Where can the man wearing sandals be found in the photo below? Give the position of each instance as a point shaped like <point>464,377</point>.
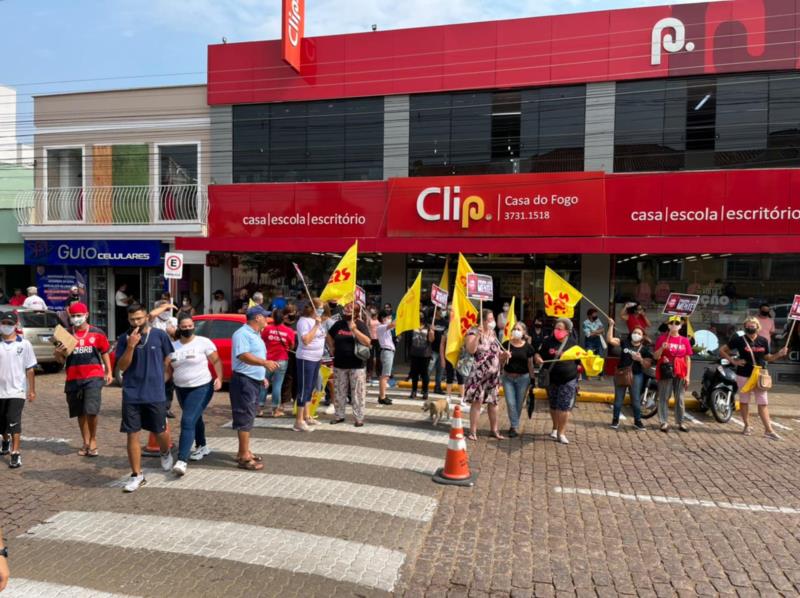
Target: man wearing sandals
<point>88,370</point>
<point>250,367</point>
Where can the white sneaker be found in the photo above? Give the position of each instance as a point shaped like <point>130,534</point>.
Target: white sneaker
<point>330,410</point>
<point>166,461</point>
<point>134,483</point>
<point>302,428</point>
<point>554,434</point>
<point>199,453</point>
<point>563,439</point>
<point>180,468</point>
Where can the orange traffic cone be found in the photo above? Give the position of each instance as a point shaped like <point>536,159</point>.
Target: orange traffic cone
<point>456,464</point>
<point>153,449</point>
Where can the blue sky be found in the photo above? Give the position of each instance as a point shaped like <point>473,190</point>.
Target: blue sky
<point>53,46</point>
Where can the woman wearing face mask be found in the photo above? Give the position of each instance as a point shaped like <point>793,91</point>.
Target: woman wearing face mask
<point>502,317</point>
<point>753,350</point>
<point>517,374</point>
<point>186,307</point>
<point>673,356</point>
<point>194,386</point>
<point>538,333</point>
<point>562,387</point>
<point>310,343</point>
<point>280,340</point>
<point>420,353</point>
<point>349,370</point>
<point>374,365</point>
<point>483,380</point>
<point>636,357</point>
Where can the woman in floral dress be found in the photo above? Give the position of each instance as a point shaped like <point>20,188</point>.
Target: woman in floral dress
<point>482,383</point>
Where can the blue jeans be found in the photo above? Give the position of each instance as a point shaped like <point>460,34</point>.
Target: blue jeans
<point>515,390</point>
<point>193,402</point>
<point>307,380</point>
<point>435,368</point>
<point>276,383</point>
<point>636,396</point>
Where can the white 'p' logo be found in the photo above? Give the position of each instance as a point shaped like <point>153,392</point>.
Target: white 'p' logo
<point>670,44</point>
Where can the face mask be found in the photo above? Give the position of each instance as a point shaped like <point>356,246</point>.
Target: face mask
<point>164,316</point>
<point>751,329</point>
<point>516,334</point>
<point>560,334</point>
<point>7,330</point>
<point>78,320</point>
<point>348,316</point>
<point>636,337</point>
<point>491,324</point>
<point>319,311</point>
<point>537,324</point>
<point>186,332</point>
<point>387,321</point>
<point>764,312</point>
<point>506,308</point>
<point>186,302</point>
<point>593,317</point>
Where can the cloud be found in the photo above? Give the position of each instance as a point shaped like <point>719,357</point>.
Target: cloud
<point>246,20</point>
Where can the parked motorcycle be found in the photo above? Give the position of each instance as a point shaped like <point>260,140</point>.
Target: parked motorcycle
<point>718,390</point>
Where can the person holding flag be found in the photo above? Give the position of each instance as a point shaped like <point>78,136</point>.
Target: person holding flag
<point>483,380</point>
<point>559,377</point>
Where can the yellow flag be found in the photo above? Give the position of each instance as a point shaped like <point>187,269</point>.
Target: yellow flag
<point>408,308</point>
<point>461,274</point>
<point>251,303</point>
<point>444,283</point>
<point>560,297</point>
<point>752,381</point>
<point>689,328</point>
<point>341,285</point>
<point>464,317</point>
<point>512,321</point>
<point>592,364</point>
<point>318,395</point>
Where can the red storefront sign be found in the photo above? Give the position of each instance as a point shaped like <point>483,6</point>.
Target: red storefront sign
<point>293,29</point>
<point>745,211</point>
<point>546,205</point>
<point>612,45</point>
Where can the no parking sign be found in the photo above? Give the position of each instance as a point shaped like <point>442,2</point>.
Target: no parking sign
<point>173,265</point>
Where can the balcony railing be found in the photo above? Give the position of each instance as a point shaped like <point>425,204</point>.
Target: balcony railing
<point>130,205</point>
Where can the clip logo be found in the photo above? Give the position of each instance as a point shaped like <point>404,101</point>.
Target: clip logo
<point>669,42</point>
<point>453,208</point>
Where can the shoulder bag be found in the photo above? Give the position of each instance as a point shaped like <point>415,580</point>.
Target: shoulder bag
<point>764,377</point>
<point>623,377</point>
<point>544,372</point>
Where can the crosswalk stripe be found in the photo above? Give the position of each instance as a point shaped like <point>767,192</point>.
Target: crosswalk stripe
<point>341,560</point>
<point>43,439</point>
<point>431,435</point>
<point>332,452</point>
<point>25,588</point>
<point>412,403</point>
<point>418,415</point>
<point>388,501</point>
<point>781,426</point>
<point>693,419</point>
<point>738,422</point>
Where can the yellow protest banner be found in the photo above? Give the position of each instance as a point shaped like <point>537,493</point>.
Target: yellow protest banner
<point>318,395</point>
<point>592,364</point>
<point>461,274</point>
<point>752,381</point>
<point>341,285</point>
<point>444,283</point>
<point>512,321</point>
<point>465,316</point>
<point>560,297</point>
<point>408,308</point>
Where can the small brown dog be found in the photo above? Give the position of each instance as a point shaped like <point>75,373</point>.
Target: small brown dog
<point>437,409</point>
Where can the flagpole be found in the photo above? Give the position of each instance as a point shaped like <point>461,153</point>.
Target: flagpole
<point>593,304</point>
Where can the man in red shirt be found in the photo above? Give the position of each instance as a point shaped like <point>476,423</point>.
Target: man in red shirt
<point>88,370</point>
<point>17,299</point>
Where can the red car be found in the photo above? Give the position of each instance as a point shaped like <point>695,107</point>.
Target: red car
<point>217,327</point>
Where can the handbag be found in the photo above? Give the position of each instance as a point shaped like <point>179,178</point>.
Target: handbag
<point>666,371</point>
<point>544,372</point>
<point>623,377</point>
<point>362,351</point>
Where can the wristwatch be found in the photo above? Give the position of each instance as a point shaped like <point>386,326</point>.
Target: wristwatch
<point>4,552</point>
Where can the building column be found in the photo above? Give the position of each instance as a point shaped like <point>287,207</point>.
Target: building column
<point>221,145</point>
<point>393,278</point>
<point>599,132</point>
<point>395,136</point>
<point>595,284</point>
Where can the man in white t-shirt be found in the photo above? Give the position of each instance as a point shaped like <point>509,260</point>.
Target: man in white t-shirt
<point>161,318</point>
<point>218,303</point>
<point>34,301</point>
<point>17,383</point>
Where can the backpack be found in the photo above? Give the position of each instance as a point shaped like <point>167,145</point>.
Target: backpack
<point>420,347</point>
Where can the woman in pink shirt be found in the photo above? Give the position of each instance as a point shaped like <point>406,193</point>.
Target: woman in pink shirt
<point>673,356</point>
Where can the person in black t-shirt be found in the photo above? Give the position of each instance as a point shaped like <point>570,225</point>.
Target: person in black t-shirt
<point>517,373</point>
<point>563,386</point>
<point>349,371</point>
<point>753,351</point>
<point>634,354</point>
<point>420,353</point>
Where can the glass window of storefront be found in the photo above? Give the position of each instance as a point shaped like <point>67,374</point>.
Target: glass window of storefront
<point>532,130</point>
<point>730,288</point>
<point>308,141</point>
<point>729,121</point>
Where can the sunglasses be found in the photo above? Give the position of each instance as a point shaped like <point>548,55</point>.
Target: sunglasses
<point>675,324</point>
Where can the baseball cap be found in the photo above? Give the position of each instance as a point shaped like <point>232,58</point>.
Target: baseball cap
<point>677,319</point>
<point>77,308</point>
<point>256,311</point>
<point>9,316</point>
